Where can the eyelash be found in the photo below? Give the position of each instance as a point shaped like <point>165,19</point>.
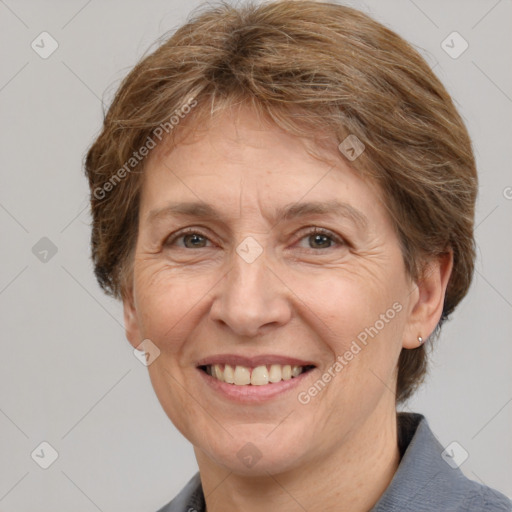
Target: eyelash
<point>313,231</point>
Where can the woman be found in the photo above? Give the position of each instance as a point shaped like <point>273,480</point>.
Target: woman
<point>283,198</point>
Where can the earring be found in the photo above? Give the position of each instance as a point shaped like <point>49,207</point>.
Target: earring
<point>420,340</point>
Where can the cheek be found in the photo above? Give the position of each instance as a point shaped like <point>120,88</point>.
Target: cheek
<point>168,305</point>
<point>358,319</point>
<point>347,302</point>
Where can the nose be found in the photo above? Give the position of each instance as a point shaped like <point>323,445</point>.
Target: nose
<point>251,298</point>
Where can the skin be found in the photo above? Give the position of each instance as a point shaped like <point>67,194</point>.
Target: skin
<point>301,297</point>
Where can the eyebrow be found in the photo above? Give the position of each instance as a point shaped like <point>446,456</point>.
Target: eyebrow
<point>200,209</point>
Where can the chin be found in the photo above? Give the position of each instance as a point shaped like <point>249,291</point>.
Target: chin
<point>250,461</point>
<point>251,451</point>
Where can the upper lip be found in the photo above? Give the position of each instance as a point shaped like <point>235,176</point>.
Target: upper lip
<point>252,362</point>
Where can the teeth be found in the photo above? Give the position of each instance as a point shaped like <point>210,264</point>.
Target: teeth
<point>296,371</point>
<point>229,374</point>
<point>242,375</point>
<point>275,373</point>
<point>217,372</point>
<point>258,376</point>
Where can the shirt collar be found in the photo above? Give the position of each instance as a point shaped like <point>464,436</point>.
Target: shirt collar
<point>423,476</point>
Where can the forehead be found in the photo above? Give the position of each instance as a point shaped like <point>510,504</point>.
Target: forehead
<point>237,163</point>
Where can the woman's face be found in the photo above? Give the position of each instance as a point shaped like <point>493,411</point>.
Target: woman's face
<point>253,286</point>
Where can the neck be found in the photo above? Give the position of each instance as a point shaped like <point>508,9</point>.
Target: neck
<point>351,478</point>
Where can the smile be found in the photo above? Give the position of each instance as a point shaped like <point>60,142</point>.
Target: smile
<point>239,375</point>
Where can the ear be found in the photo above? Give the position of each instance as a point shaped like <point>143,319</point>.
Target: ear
<point>131,321</point>
<point>428,299</point>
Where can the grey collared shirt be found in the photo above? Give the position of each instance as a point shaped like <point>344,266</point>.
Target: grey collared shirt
<point>424,481</point>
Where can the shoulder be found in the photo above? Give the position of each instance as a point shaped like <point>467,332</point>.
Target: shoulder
<point>483,498</point>
<point>189,499</point>
<point>426,481</point>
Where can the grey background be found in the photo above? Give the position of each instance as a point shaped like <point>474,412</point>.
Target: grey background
<point>67,374</point>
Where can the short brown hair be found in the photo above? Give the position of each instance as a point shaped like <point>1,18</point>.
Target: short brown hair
<point>309,68</point>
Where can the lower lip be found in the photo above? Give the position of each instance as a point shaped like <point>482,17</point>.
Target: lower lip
<point>250,393</point>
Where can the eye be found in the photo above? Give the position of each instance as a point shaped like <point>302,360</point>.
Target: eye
<point>192,239</point>
<point>320,238</point>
